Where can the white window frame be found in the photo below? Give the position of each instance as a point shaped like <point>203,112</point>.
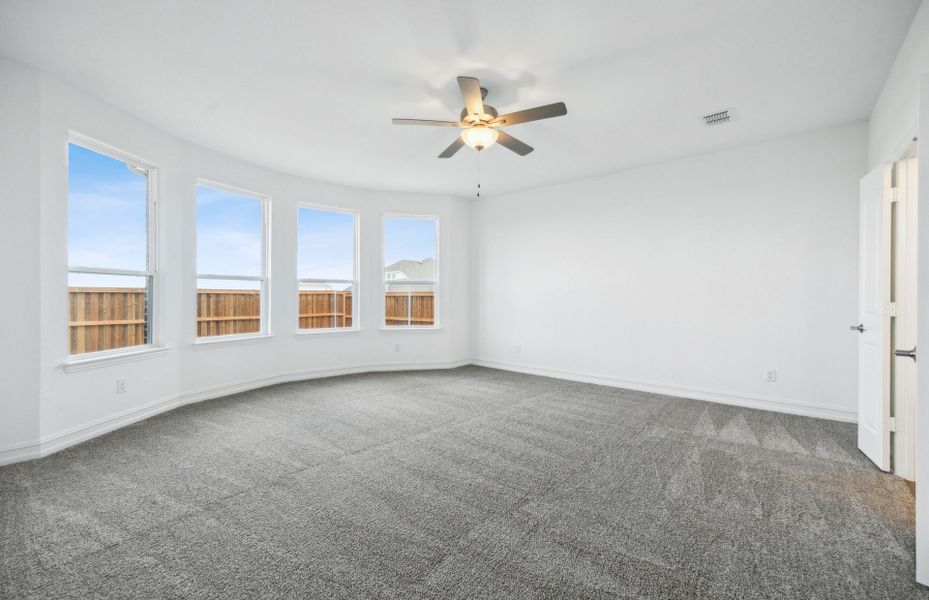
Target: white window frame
<point>150,273</point>
<point>385,282</point>
<point>264,277</point>
<point>355,282</point>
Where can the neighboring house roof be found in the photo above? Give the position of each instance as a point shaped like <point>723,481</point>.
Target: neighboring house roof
<point>417,270</point>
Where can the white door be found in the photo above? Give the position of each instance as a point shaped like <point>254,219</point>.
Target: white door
<point>873,316</point>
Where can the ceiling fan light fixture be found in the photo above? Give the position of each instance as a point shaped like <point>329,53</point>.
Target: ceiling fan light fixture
<point>480,122</point>
<point>479,137</point>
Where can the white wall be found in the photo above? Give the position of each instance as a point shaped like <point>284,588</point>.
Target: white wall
<point>19,256</point>
<point>50,407</point>
<point>691,277</point>
<point>893,121</point>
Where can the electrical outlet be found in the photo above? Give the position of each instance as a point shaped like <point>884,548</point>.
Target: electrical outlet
<point>770,376</point>
<point>396,347</point>
<point>120,386</point>
<point>519,348</point>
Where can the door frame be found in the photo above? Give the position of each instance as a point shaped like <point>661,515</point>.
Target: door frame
<point>903,333</point>
<point>922,341</point>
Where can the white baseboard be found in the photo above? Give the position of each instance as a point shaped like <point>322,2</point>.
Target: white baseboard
<point>748,401</point>
<point>63,439</point>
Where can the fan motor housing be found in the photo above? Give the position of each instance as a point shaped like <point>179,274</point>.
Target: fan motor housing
<point>490,113</point>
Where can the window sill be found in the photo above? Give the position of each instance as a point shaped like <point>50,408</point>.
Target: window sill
<point>328,331</point>
<point>222,340</point>
<point>76,365</point>
<point>405,328</point>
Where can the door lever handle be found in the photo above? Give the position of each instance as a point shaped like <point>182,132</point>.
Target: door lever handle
<point>859,328</point>
<point>907,353</point>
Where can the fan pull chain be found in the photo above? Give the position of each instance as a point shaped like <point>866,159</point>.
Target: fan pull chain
<point>478,174</point>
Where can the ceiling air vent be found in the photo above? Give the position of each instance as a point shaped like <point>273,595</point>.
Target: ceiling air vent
<point>717,118</point>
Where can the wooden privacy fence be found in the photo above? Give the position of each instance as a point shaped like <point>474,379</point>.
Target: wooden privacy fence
<point>413,308</point>
<point>321,309</point>
<point>228,312</point>
<point>106,318</point>
<point>109,318</point>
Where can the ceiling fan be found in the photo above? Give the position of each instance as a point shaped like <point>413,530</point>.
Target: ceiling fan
<point>479,122</point>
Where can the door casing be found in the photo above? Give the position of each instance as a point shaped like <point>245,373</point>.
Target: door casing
<point>904,261</point>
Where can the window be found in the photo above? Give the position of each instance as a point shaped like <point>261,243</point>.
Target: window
<point>231,261</point>
<point>410,271</point>
<point>326,268</point>
<point>110,250</point>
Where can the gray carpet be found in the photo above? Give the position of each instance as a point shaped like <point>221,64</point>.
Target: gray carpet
<point>469,483</point>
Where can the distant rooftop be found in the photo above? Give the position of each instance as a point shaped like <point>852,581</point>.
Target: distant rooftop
<point>417,270</point>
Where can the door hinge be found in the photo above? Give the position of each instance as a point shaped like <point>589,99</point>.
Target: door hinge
<point>891,309</point>
<point>892,424</point>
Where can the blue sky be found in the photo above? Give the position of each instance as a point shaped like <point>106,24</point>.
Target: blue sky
<point>107,212</point>
<point>325,245</point>
<point>107,228</point>
<point>412,239</point>
<point>228,233</point>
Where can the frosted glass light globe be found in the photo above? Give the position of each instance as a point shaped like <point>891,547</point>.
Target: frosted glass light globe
<point>479,136</point>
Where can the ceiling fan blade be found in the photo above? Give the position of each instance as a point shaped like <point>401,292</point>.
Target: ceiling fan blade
<point>453,148</point>
<point>471,91</point>
<point>508,141</point>
<point>531,114</point>
<point>425,122</point>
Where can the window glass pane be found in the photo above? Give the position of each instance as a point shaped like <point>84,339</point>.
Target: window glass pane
<point>107,212</point>
<point>409,249</point>
<point>326,245</point>
<point>228,307</point>
<point>325,305</point>
<point>106,312</point>
<point>228,233</point>
<point>409,305</point>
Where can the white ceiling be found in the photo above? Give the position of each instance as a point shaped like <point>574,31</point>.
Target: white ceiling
<point>310,87</point>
